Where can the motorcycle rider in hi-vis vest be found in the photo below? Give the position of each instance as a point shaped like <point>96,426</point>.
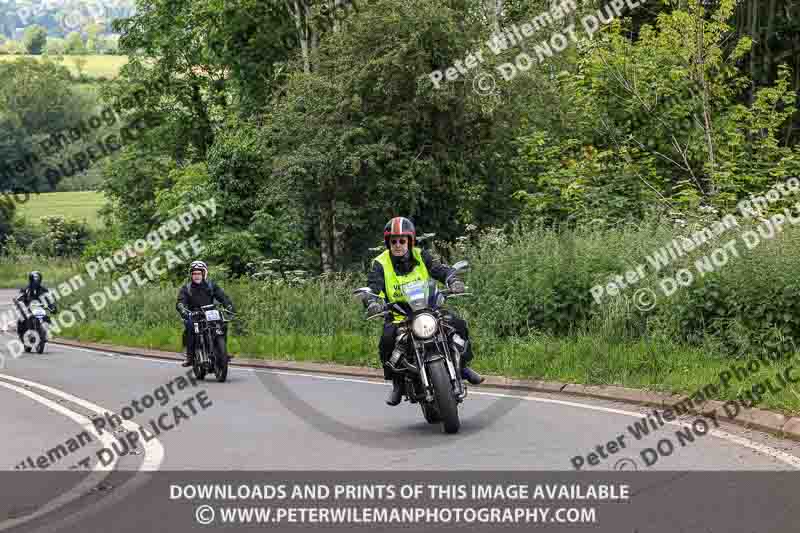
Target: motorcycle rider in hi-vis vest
<point>402,263</point>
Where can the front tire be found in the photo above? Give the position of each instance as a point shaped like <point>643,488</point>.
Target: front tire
<point>445,397</point>
<point>198,367</point>
<point>30,339</point>
<point>42,340</point>
<point>221,358</point>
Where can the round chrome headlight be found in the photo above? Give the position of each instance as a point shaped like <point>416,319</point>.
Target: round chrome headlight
<point>424,326</point>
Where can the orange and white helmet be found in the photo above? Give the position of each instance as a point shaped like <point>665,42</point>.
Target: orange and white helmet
<point>400,226</point>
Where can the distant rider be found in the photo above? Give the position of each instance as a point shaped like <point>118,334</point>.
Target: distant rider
<point>402,263</point>
<point>199,291</point>
<point>34,291</point>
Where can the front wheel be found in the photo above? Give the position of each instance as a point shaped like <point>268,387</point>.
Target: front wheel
<point>30,339</point>
<point>445,397</point>
<point>221,359</point>
<point>42,340</point>
<point>198,367</point>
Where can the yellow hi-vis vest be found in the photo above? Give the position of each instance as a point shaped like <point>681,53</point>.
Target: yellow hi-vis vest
<point>393,292</point>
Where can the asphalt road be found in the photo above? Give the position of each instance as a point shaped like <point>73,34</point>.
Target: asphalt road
<point>261,420</point>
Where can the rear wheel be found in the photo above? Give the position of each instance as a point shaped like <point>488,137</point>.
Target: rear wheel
<point>445,397</point>
<point>221,358</point>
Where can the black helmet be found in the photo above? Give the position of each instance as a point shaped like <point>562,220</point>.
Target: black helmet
<point>35,278</point>
<point>399,226</point>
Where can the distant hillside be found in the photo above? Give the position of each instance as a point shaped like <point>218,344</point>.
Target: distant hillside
<point>107,66</point>
<point>60,17</point>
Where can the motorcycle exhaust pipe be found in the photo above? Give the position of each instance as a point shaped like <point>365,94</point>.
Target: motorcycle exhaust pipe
<point>458,344</point>
<point>399,351</point>
<point>459,347</point>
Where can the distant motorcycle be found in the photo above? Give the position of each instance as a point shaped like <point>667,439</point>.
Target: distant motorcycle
<point>210,351</point>
<point>428,361</point>
<point>33,333</point>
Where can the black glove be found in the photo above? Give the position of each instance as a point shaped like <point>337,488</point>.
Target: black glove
<point>374,308</point>
<point>457,286</point>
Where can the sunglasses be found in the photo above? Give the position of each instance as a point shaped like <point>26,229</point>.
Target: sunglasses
<point>399,241</point>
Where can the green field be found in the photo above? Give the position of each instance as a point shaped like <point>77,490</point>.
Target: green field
<point>81,205</point>
<point>96,65</point>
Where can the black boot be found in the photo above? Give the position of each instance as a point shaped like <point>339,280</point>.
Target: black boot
<point>396,394</point>
<point>189,360</point>
<point>472,376</point>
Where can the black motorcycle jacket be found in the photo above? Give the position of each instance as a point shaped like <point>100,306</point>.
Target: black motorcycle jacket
<point>29,294</point>
<point>193,296</point>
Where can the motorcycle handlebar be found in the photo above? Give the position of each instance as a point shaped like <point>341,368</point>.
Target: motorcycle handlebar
<point>387,310</point>
<point>203,314</point>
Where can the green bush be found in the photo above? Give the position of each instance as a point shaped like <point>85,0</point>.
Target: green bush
<point>64,237</point>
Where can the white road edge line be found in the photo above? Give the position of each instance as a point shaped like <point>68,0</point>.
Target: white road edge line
<point>735,439</point>
<point>81,488</point>
<point>153,449</point>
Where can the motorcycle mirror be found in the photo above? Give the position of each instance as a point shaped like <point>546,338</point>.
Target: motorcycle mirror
<point>365,291</point>
<point>461,266</point>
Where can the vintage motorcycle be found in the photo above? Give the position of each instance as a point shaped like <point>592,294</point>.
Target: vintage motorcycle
<point>428,351</point>
<point>210,350</point>
<point>33,330</point>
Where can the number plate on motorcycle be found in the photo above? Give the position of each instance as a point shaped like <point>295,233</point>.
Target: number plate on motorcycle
<point>415,290</point>
<point>38,312</point>
<point>212,315</point>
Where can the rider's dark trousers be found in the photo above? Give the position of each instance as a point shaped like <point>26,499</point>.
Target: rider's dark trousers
<point>188,336</point>
<point>386,345</point>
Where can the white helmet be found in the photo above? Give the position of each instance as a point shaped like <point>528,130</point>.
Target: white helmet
<point>198,265</point>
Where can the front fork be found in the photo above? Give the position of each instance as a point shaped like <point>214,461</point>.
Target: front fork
<point>423,372</point>
<point>453,369</point>
<point>200,342</point>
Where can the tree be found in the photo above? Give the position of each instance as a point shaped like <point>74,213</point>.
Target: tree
<point>364,135</point>
<point>75,44</point>
<point>94,40</point>
<point>36,100</point>
<point>55,47</point>
<point>35,39</point>
<point>93,31</point>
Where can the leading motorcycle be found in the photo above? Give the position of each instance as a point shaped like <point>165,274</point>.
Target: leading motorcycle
<point>33,333</point>
<point>428,351</point>
<point>210,349</point>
